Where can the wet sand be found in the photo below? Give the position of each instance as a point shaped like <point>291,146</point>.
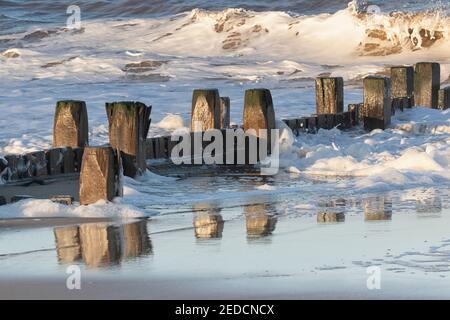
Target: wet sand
<point>64,185</point>
<point>256,251</point>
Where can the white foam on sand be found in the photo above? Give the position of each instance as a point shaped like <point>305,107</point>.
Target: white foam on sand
<point>41,208</point>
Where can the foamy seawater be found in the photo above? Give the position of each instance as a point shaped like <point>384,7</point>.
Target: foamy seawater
<point>158,54</point>
<point>227,234</point>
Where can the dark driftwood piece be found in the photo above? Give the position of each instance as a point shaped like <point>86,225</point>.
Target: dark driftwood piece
<point>100,175</point>
<point>70,128</point>
<point>129,123</point>
<point>377,103</point>
<point>205,110</point>
<point>427,81</point>
<point>329,95</point>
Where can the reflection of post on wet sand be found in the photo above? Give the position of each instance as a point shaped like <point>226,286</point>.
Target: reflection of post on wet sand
<point>136,240</point>
<point>99,244</point>
<point>208,222</point>
<point>259,221</point>
<point>377,208</point>
<point>429,204</point>
<point>68,244</point>
<point>332,211</point>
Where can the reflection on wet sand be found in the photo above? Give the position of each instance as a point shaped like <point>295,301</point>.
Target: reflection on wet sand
<point>68,244</point>
<point>208,222</point>
<point>377,209</point>
<point>99,244</point>
<point>429,206</point>
<point>331,211</point>
<point>259,221</point>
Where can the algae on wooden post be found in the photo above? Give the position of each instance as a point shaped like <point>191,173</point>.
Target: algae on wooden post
<point>377,103</point>
<point>100,175</point>
<point>205,112</point>
<point>427,84</point>
<point>129,123</point>
<point>329,95</point>
<point>70,128</point>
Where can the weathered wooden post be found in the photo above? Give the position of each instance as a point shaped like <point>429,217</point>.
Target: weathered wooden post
<point>427,81</point>
<point>402,81</point>
<point>377,103</point>
<point>402,87</point>
<point>206,110</point>
<point>329,95</point>
<point>444,98</point>
<point>259,115</point>
<point>224,112</point>
<point>100,175</point>
<point>129,123</point>
<point>70,128</point>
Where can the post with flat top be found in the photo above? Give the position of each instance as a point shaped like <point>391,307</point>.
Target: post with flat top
<point>70,128</point>
<point>329,95</point>
<point>206,107</point>
<point>100,175</point>
<point>377,103</point>
<point>259,113</point>
<point>427,81</point>
<point>129,123</point>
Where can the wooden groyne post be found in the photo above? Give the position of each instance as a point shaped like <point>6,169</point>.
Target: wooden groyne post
<point>206,110</point>
<point>100,175</point>
<point>224,112</point>
<point>70,128</point>
<point>377,103</point>
<point>427,81</point>
<point>129,123</point>
<point>444,98</point>
<point>259,113</point>
<point>402,87</point>
<point>329,95</point>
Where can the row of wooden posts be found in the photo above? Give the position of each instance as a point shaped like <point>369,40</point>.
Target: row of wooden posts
<point>100,168</point>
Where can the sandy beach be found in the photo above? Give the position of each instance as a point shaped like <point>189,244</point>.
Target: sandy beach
<point>253,251</point>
